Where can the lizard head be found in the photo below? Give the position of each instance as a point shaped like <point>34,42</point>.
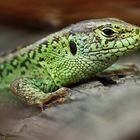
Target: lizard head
<point>103,41</point>
<point>89,47</point>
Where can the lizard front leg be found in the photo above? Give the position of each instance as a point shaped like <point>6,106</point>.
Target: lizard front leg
<point>111,74</point>
<point>33,91</point>
<point>117,69</point>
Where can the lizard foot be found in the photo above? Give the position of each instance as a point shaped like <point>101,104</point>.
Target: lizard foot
<point>60,96</point>
<point>26,90</point>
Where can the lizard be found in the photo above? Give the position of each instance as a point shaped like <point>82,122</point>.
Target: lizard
<point>41,71</point>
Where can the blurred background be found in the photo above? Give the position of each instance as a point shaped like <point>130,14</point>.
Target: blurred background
<point>26,21</point>
<point>41,13</point>
<point>101,112</point>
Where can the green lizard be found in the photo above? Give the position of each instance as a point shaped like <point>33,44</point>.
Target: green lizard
<point>38,72</point>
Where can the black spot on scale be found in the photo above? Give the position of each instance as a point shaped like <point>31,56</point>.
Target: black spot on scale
<point>106,42</point>
<point>58,82</point>
<point>97,46</point>
<point>59,52</point>
<point>41,59</point>
<point>0,71</point>
<point>98,39</point>
<point>38,65</point>
<point>22,72</point>
<point>31,54</point>
<point>100,55</point>
<point>14,63</point>
<point>1,75</point>
<point>23,63</point>
<point>78,44</point>
<point>63,44</point>
<point>117,27</point>
<point>8,71</point>
<point>39,49</point>
<point>54,47</point>
<point>52,58</point>
<point>50,68</point>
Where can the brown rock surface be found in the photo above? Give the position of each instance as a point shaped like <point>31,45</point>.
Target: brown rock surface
<point>96,112</point>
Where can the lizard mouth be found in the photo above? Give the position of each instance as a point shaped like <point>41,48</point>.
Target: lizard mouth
<point>117,52</point>
<point>132,46</point>
<point>129,48</point>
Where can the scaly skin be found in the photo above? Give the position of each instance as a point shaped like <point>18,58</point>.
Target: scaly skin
<point>66,57</point>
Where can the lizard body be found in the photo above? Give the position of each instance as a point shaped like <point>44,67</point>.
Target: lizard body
<point>66,57</point>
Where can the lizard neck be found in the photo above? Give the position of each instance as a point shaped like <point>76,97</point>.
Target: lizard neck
<point>72,70</point>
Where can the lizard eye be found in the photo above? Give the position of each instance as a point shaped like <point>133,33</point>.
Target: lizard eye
<point>108,32</point>
<point>73,47</point>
